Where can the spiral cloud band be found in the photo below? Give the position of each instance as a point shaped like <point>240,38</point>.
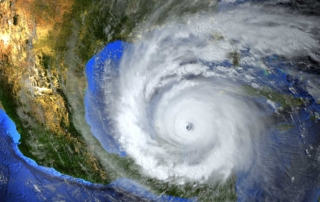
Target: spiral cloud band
<point>178,118</point>
<point>177,104</point>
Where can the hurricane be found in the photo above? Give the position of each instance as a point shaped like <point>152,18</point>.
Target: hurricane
<point>212,96</point>
<point>183,110</point>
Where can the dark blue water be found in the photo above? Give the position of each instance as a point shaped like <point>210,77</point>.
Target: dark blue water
<point>289,167</point>
<point>95,71</point>
<point>21,179</point>
<point>292,176</point>
<point>290,159</point>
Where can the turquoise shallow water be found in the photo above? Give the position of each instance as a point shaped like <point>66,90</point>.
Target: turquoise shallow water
<point>287,161</point>
<point>282,173</point>
<point>22,179</point>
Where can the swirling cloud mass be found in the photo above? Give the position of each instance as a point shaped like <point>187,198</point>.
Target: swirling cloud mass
<point>179,103</point>
<point>181,116</point>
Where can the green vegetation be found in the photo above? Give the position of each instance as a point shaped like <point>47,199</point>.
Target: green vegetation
<point>105,21</point>
<point>203,192</point>
<point>67,154</point>
<point>286,101</point>
<point>120,17</point>
<point>235,57</point>
<point>315,117</point>
<point>285,127</point>
<point>70,127</point>
<point>46,61</point>
<point>64,149</point>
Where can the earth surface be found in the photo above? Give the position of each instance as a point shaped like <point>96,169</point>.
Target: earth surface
<point>160,101</point>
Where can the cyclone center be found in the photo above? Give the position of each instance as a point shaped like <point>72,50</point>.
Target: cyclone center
<point>189,126</point>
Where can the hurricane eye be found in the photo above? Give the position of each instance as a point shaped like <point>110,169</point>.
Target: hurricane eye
<point>189,126</point>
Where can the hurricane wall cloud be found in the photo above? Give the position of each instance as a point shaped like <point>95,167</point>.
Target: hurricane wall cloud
<point>179,101</point>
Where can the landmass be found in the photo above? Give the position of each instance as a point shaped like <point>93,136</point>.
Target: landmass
<point>44,46</point>
<point>33,85</point>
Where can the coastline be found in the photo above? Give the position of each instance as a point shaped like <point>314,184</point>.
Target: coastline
<point>22,179</point>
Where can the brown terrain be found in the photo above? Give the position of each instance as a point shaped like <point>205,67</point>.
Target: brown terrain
<point>33,78</point>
